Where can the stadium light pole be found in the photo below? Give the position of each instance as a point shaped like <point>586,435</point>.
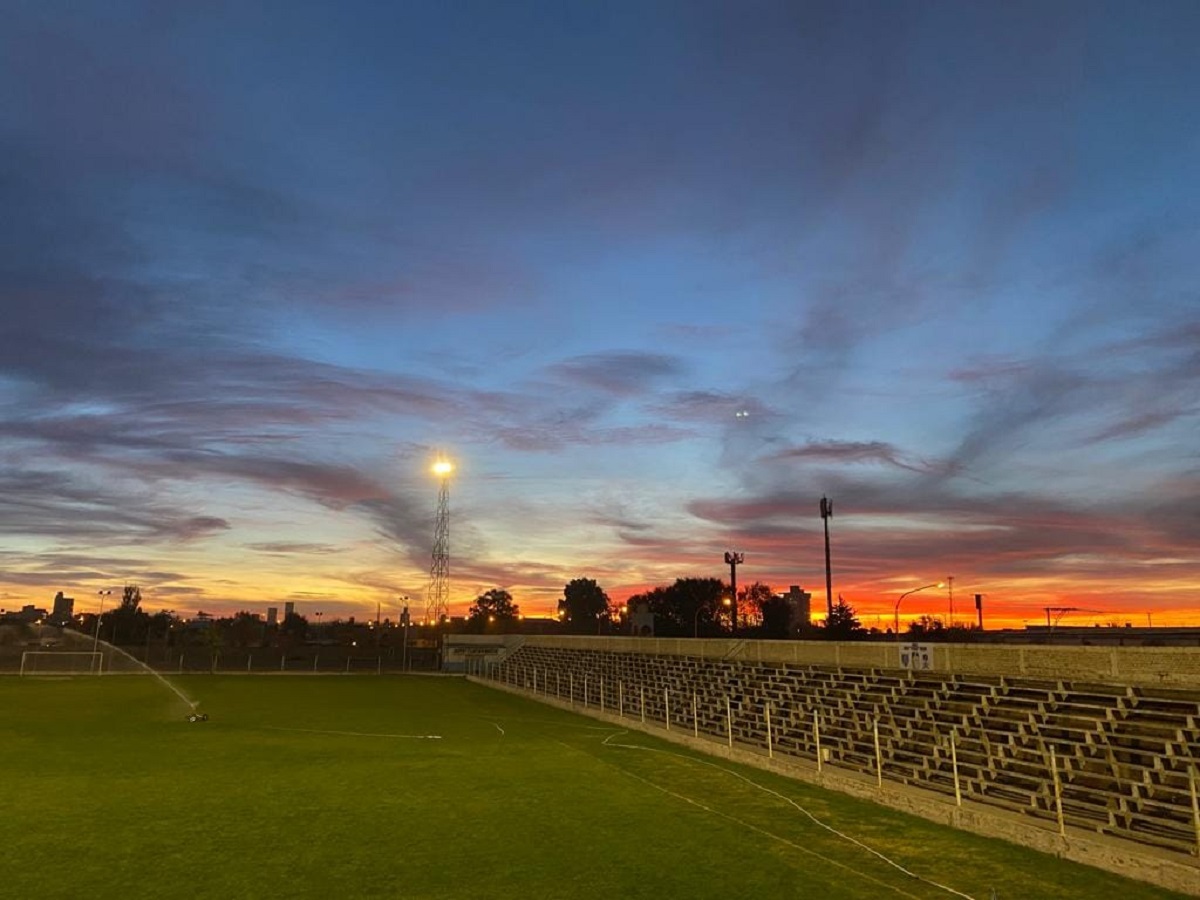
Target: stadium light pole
<point>99,616</point>
<point>826,515</point>
<point>437,596</point>
<point>924,587</point>
<point>733,560</point>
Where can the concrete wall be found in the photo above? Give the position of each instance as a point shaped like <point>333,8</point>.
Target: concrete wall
<point>1177,667</point>
<point>471,652</point>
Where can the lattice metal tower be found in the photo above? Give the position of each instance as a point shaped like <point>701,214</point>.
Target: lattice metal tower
<point>436,597</point>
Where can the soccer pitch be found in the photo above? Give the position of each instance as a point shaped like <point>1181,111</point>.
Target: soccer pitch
<point>424,787</point>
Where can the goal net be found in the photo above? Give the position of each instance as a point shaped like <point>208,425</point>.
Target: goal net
<point>61,662</point>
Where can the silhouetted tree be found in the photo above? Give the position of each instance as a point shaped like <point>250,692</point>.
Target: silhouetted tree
<point>842,624</point>
<point>751,601</point>
<point>926,628</point>
<point>496,603</point>
<point>212,639</point>
<point>293,630</point>
<point>689,606</point>
<point>245,629</point>
<point>931,628</point>
<point>127,623</point>
<point>583,605</point>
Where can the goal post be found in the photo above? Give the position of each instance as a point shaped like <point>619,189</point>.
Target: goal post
<point>61,662</point>
<point>369,664</point>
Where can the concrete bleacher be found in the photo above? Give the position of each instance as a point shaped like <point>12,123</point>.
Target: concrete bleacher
<point>1125,754</point>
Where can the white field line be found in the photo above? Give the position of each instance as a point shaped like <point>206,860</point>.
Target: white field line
<point>608,742</point>
<point>607,729</point>
<point>417,737</point>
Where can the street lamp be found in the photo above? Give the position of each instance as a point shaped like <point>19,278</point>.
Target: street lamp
<point>924,587</point>
<point>99,616</point>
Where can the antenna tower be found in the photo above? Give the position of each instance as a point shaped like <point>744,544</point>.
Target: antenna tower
<point>436,606</point>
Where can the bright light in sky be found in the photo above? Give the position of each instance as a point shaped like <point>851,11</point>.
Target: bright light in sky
<point>663,275</point>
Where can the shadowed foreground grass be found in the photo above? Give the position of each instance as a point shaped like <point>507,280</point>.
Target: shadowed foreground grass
<point>420,787</point>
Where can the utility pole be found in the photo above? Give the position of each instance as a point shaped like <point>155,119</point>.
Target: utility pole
<point>733,560</point>
<point>979,609</point>
<point>826,515</point>
<point>950,587</point>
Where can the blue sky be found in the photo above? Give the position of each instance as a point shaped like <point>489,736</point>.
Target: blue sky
<point>260,261</point>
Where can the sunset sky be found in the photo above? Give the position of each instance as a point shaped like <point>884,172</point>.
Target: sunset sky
<point>657,276</point>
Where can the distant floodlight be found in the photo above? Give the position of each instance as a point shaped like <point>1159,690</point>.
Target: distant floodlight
<point>443,467</point>
<point>742,414</point>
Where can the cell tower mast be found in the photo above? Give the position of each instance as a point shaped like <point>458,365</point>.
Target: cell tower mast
<point>436,606</point>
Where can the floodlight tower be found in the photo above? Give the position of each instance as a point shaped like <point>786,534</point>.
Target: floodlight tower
<point>733,560</point>
<point>826,515</point>
<point>436,607</point>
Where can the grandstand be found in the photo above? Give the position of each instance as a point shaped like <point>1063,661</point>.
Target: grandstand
<point>1071,757</point>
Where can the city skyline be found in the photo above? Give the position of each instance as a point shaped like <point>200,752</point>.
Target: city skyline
<point>656,277</point>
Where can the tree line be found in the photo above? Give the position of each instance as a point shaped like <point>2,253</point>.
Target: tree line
<point>690,607</point>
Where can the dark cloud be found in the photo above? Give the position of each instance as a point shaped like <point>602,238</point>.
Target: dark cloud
<point>291,548</point>
<point>621,374</point>
<point>56,505</point>
<point>853,452</point>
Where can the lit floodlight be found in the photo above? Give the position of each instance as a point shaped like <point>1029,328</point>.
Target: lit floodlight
<point>442,468</point>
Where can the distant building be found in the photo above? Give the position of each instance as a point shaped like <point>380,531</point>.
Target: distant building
<point>288,609</point>
<point>799,608</point>
<point>641,621</point>
<point>64,609</point>
<point>272,615</point>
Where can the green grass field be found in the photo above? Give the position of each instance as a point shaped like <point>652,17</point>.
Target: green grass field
<point>332,787</point>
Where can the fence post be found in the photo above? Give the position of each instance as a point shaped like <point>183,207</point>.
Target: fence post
<point>282,660</point>
<point>571,687</point>
<point>249,656</point>
<point>878,756</point>
<point>621,698</point>
<point>379,665</point>
<point>316,656</point>
<point>1062,828</point>
<point>954,766</point>
<point>347,665</point>
<point>817,737</point>
<point>695,718</point>
<point>585,697</point>
<point>1195,807</point>
<point>180,663</point>
<point>601,693</point>
<point>667,707</point>
<point>535,679</point>
<point>770,742</point>
<point>729,720</point>
<point>642,696</point>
